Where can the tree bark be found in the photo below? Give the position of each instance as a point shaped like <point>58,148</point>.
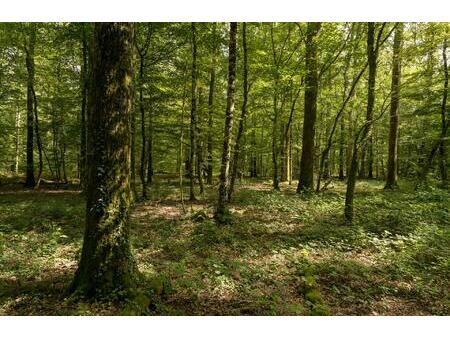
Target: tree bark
<point>38,141</point>
<point>30,181</point>
<point>84,88</point>
<point>212,84</point>
<point>106,265</point>
<point>444,127</point>
<point>17,141</point>
<point>372,56</point>
<point>306,179</point>
<point>444,121</point>
<point>222,212</point>
<point>391,178</point>
<point>237,147</point>
<point>193,124</point>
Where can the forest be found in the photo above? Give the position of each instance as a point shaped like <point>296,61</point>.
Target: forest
<point>214,168</point>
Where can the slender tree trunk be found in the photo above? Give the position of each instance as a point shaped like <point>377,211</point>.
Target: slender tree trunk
<point>150,171</point>
<point>38,141</point>
<point>17,142</point>
<point>306,179</point>
<point>143,135</point>
<point>341,149</point>
<point>372,56</point>
<point>29,58</point>
<point>237,147</point>
<point>193,114</point>
<point>222,212</point>
<point>391,179</point>
<point>444,127</point>
<point>275,179</point>
<point>212,84</point>
<point>329,143</point>
<point>199,146</point>
<point>444,122</point>
<point>106,263</point>
<point>84,88</point>
<point>254,155</point>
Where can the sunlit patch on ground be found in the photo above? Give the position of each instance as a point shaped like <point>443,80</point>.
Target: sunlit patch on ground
<point>283,254</point>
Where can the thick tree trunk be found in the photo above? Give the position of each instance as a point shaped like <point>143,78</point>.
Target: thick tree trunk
<point>306,179</point>
<point>222,212</point>
<point>391,179</point>
<point>106,265</point>
<point>192,130</point>
<point>29,58</point>
<point>237,147</point>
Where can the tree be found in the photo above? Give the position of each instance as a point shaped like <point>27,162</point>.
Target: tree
<point>84,92</point>
<point>391,178</point>
<point>30,41</point>
<point>222,212</point>
<point>306,179</point>
<point>372,59</point>
<point>212,85</point>
<point>361,136</point>
<point>106,264</point>
<point>193,125</point>
<point>240,132</point>
<point>444,119</point>
<point>142,50</point>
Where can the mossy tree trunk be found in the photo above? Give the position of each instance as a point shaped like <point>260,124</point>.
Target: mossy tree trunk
<point>391,178</point>
<point>306,179</point>
<point>222,208</point>
<point>106,264</point>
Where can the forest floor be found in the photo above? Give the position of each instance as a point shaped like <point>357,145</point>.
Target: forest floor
<point>284,254</point>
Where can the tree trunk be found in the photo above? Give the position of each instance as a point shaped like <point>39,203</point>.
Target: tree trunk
<point>143,136</point>
<point>237,147</point>
<point>212,84</point>
<point>341,149</point>
<point>193,115</point>
<point>38,141</point>
<point>254,155</point>
<point>444,127</point>
<point>372,56</point>
<point>29,58</point>
<point>199,146</point>
<point>150,171</point>
<point>17,142</point>
<point>391,179</point>
<point>306,179</point>
<point>222,212</point>
<point>84,88</point>
<point>106,264</point>
<point>444,122</point>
